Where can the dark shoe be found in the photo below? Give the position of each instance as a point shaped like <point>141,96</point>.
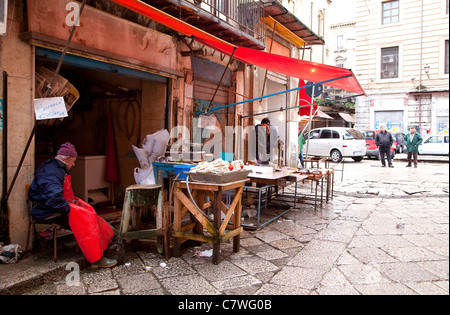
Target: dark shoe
<point>408,165</point>
<point>415,166</point>
<point>383,165</point>
<point>104,263</point>
<point>391,166</point>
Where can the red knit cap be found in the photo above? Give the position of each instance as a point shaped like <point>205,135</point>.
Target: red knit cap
<point>67,149</point>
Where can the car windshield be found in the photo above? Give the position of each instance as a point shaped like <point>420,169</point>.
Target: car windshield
<point>368,135</point>
<point>352,134</point>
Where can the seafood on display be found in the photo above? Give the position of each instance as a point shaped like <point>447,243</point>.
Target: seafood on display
<point>218,166</point>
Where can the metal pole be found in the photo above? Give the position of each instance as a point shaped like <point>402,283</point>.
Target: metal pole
<point>274,94</point>
<point>310,119</point>
<point>221,79</point>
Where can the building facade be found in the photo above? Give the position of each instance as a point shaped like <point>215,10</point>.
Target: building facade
<point>130,73</point>
<point>402,62</point>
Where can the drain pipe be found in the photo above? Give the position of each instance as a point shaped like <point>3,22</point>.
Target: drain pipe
<point>4,212</point>
<point>420,65</point>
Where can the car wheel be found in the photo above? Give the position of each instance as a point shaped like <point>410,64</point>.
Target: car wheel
<point>357,158</point>
<point>336,156</point>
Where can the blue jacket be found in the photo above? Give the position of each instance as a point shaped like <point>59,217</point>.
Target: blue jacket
<point>47,190</point>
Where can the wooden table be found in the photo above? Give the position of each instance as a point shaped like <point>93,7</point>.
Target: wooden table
<point>277,179</point>
<point>218,228</point>
<point>139,198</point>
<point>317,160</point>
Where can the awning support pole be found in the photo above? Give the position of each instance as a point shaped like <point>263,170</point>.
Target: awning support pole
<point>310,120</point>
<point>49,88</point>
<point>270,95</point>
<point>221,79</point>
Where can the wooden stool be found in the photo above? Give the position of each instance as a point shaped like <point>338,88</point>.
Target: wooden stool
<point>216,229</point>
<point>137,199</point>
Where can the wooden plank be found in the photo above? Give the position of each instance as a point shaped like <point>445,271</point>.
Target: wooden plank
<point>192,209</point>
<point>134,235</point>
<point>230,210</point>
<point>194,237</point>
<point>232,234</point>
<point>177,207</point>
<point>237,224</point>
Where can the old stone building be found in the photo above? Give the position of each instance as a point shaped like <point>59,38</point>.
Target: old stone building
<point>402,62</point>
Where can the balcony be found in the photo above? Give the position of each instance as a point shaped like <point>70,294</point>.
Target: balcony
<point>239,22</point>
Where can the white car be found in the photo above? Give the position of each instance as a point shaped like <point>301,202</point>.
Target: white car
<point>435,145</point>
<point>336,143</point>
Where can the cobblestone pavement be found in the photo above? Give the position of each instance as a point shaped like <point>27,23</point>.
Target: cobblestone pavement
<point>386,231</point>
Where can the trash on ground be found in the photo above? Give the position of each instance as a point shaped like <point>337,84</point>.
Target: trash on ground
<point>205,253</point>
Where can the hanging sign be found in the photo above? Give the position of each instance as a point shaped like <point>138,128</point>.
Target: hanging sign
<point>50,108</point>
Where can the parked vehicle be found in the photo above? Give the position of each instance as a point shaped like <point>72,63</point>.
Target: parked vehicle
<point>399,141</point>
<point>336,142</point>
<point>371,147</point>
<point>435,145</point>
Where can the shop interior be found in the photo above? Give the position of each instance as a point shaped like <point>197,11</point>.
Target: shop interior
<point>112,109</point>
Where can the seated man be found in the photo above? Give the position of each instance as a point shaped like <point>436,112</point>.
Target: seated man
<point>51,192</point>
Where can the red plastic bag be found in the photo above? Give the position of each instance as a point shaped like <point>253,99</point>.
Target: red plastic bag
<point>92,233</point>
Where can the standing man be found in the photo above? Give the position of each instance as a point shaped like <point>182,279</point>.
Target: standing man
<point>266,142</point>
<point>384,141</point>
<point>413,140</point>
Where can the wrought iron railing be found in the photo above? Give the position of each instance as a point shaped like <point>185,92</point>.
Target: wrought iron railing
<point>247,15</point>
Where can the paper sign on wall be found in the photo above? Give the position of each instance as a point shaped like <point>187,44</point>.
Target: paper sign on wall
<point>50,108</point>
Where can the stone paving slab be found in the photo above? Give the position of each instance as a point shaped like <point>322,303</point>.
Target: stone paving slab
<point>355,245</point>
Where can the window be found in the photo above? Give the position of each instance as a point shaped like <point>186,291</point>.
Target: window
<point>340,62</point>
<point>434,140</point>
<point>340,42</point>
<point>335,135</point>
<point>314,134</point>
<point>368,135</point>
<point>326,134</point>
<point>320,21</point>
<point>389,63</point>
<point>446,58</point>
<point>390,12</point>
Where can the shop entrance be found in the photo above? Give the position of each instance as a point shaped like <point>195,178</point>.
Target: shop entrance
<point>114,102</point>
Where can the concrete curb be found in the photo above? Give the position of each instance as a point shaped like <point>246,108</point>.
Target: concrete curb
<point>31,272</point>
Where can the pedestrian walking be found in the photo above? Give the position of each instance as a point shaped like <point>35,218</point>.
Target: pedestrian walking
<point>301,142</point>
<point>384,141</point>
<point>413,140</point>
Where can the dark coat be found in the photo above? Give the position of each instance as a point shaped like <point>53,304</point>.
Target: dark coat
<point>47,190</point>
<point>384,140</point>
<point>413,145</point>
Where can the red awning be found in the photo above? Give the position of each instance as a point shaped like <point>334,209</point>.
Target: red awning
<point>308,71</point>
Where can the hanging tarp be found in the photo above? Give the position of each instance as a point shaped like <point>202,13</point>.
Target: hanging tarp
<point>308,71</point>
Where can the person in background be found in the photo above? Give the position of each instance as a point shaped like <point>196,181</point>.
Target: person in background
<point>412,140</point>
<point>51,192</point>
<point>384,141</point>
<point>266,142</point>
<point>301,143</point>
